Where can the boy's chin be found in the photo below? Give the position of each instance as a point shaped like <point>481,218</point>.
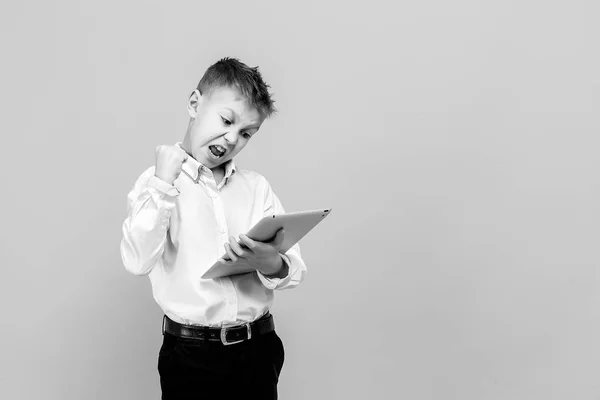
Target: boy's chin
<point>212,163</point>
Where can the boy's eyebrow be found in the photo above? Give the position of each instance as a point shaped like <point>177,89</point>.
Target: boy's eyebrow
<point>238,117</point>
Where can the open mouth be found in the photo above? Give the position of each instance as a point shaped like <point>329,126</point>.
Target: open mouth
<point>217,151</point>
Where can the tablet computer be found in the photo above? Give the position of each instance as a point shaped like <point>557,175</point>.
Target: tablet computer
<point>296,225</point>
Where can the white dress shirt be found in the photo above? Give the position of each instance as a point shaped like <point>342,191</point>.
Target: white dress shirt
<point>175,233</point>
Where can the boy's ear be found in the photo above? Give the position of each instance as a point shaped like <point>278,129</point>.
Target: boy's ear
<point>194,102</point>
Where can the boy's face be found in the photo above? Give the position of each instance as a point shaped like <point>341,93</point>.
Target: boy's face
<point>222,123</point>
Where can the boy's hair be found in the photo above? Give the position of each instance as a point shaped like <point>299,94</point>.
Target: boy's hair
<point>230,72</point>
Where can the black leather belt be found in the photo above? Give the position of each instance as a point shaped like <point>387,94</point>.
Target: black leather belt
<point>227,336</point>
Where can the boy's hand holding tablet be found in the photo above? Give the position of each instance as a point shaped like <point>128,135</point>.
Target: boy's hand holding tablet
<point>262,247</point>
<point>261,256</point>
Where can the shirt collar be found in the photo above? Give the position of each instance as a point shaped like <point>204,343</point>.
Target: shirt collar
<point>193,168</point>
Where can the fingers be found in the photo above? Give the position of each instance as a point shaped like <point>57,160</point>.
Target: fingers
<point>181,153</point>
<point>230,253</point>
<point>236,251</point>
<point>251,244</point>
<point>184,155</point>
<point>260,247</point>
<point>235,246</point>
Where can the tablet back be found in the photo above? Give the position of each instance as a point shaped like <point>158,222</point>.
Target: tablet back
<point>295,225</point>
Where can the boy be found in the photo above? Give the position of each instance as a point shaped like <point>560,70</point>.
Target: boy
<point>190,209</point>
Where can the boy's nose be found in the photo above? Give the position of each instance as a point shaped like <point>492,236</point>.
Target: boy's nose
<point>231,138</point>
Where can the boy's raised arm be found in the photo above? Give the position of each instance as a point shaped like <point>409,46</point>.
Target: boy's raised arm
<point>149,206</point>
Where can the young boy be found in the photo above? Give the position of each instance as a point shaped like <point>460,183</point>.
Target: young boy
<point>186,212</point>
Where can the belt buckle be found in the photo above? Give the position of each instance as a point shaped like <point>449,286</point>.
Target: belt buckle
<point>224,336</point>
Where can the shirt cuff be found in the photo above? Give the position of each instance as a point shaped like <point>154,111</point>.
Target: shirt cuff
<point>274,283</point>
<point>162,186</point>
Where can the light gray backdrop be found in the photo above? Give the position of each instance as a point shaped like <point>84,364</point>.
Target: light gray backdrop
<point>457,143</point>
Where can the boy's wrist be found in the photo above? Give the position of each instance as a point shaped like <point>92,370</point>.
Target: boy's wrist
<point>279,269</point>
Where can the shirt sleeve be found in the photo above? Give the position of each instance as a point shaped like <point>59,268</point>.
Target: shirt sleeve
<point>293,259</point>
<point>149,206</point>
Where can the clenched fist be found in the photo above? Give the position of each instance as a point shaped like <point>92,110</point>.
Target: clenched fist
<point>169,160</point>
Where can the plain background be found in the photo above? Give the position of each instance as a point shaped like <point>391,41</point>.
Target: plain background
<point>457,143</point>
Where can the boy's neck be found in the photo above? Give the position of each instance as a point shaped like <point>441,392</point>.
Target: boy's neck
<point>218,173</point>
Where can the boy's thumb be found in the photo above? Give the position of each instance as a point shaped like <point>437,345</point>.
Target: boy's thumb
<point>278,238</point>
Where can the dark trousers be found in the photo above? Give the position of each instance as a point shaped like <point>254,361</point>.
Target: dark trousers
<point>195,369</point>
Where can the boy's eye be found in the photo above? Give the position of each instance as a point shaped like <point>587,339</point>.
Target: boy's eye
<point>226,121</point>
<point>246,135</point>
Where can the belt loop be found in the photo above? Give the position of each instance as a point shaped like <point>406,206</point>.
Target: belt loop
<point>249,331</point>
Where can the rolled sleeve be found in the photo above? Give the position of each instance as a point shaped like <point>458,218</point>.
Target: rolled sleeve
<point>277,283</point>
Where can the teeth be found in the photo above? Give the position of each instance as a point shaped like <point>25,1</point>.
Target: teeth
<point>218,151</point>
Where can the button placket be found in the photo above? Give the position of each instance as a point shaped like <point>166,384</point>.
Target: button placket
<point>230,301</point>
<point>220,215</point>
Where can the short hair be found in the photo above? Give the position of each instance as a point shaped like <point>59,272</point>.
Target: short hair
<point>230,72</point>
